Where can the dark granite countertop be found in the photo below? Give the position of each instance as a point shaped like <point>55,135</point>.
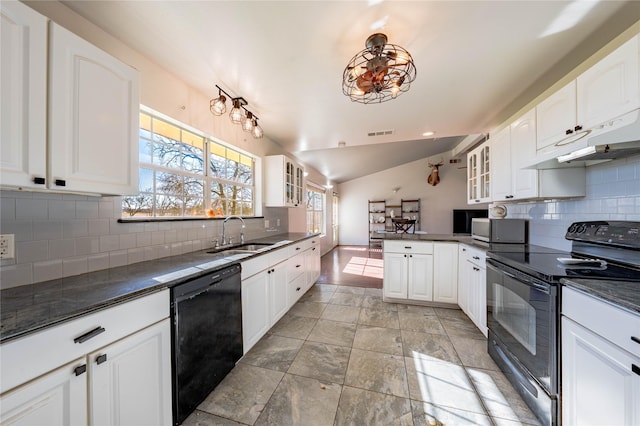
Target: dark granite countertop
<point>456,238</point>
<point>30,308</point>
<point>625,294</point>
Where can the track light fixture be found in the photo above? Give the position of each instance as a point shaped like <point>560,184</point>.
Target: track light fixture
<point>238,114</point>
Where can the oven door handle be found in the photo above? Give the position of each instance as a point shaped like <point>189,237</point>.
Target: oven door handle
<point>540,287</point>
<point>516,371</point>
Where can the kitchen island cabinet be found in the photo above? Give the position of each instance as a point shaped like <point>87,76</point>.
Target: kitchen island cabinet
<point>472,285</point>
<point>445,272</point>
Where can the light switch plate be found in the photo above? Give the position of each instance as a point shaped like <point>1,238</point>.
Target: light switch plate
<point>7,246</point>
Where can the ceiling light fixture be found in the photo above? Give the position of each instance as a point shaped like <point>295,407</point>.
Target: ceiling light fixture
<point>378,73</point>
<point>238,115</point>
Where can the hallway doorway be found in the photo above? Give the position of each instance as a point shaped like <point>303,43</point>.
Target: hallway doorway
<point>355,266</point>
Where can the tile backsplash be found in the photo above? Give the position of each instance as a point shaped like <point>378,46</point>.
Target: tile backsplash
<point>613,193</point>
<point>62,235</point>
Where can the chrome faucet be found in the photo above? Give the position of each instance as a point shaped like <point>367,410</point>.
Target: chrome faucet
<point>224,233</point>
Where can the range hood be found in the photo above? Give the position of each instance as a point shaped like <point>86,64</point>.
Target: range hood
<point>617,138</point>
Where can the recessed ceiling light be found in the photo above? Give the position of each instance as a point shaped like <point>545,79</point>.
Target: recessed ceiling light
<point>428,133</point>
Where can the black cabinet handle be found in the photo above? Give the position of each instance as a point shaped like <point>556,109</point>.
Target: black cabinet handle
<point>509,196</point>
<point>61,182</point>
<point>80,370</point>
<point>577,128</point>
<point>297,248</point>
<point>476,257</point>
<point>477,201</point>
<point>407,247</point>
<point>297,266</point>
<point>90,335</point>
<point>39,180</point>
<point>635,369</point>
<point>298,289</point>
<point>410,255</point>
<point>100,359</point>
<point>476,269</point>
<point>313,249</point>
<point>635,339</point>
<point>568,132</point>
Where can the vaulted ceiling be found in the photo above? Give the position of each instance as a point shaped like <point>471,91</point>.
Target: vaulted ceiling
<point>477,62</point>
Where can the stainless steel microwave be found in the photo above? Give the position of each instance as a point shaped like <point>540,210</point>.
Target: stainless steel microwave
<point>514,231</point>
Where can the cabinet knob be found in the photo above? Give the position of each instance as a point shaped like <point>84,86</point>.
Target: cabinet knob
<point>635,339</point>
<point>577,128</point>
<point>568,132</point>
<point>297,266</point>
<point>100,359</point>
<point>509,196</point>
<point>39,180</point>
<point>635,369</point>
<point>61,182</point>
<point>476,269</point>
<point>476,257</point>
<point>298,289</point>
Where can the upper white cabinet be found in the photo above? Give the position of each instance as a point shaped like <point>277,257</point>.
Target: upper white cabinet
<point>595,99</point>
<point>512,147</point>
<point>284,182</point>
<point>93,118</point>
<point>90,107</point>
<point>479,174</point>
<point>23,80</point>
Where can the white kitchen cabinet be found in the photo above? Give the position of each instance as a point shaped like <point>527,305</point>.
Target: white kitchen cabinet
<point>408,270</point>
<point>445,272</point>
<point>23,104</point>
<point>109,367</point>
<point>284,182</point>
<point>255,309</point>
<point>472,291</point>
<point>71,120</point>
<point>296,278</point>
<point>600,362</point>
<point>479,174</point>
<point>312,263</point>
<point>601,94</point>
<point>512,148</point>
<point>277,292</point>
<point>58,398</point>
<point>611,87</point>
<point>132,370</point>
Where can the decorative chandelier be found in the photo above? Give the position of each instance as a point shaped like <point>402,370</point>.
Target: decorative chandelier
<point>378,73</point>
<point>238,115</point>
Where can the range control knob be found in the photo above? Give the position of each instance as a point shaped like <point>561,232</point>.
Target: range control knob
<point>581,228</point>
<point>572,228</point>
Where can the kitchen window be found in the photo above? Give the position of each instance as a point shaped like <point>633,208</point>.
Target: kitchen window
<point>184,173</point>
<point>315,209</point>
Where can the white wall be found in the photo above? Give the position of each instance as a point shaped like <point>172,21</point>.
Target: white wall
<point>437,202</point>
<point>613,193</point>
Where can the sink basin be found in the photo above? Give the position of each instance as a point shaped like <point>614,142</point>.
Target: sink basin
<point>241,249</point>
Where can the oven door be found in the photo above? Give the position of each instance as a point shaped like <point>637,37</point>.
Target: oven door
<point>521,314</point>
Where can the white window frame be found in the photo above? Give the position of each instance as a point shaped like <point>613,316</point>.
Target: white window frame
<point>321,190</point>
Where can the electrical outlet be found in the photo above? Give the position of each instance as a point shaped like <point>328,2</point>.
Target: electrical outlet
<point>7,246</point>
<point>266,223</point>
<point>277,222</point>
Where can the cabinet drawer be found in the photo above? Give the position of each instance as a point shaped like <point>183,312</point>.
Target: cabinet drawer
<point>614,324</point>
<point>278,255</point>
<point>294,249</point>
<point>254,265</point>
<point>295,267</point>
<point>28,357</point>
<point>406,246</point>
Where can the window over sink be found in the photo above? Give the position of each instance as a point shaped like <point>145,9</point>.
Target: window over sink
<point>185,173</point>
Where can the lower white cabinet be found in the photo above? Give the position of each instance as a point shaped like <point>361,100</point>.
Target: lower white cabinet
<point>125,382</point>
<point>255,309</point>
<point>445,272</point>
<point>472,289</point>
<point>600,362</point>
<point>408,270</point>
<point>312,263</point>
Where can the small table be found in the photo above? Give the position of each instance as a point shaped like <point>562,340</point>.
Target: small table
<point>404,225</point>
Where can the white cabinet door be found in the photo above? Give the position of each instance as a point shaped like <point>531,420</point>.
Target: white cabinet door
<point>463,279</point>
<point>93,118</point>
<point>312,265</point>
<point>611,87</point>
<point>58,398</point>
<point>501,165</point>
<point>556,116</point>
<point>277,292</point>
<point>473,194</point>
<point>295,290</point>
<point>479,174</point>
<point>395,275</point>
<point>524,182</point>
<point>599,386</point>
<point>130,380</point>
<point>445,272</point>
<point>255,309</point>
<point>285,182</point>
<point>478,296</point>
<point>420,277</point>
<point>23,83</point>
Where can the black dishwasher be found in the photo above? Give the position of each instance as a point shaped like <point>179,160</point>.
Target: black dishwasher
<point>206,334</point>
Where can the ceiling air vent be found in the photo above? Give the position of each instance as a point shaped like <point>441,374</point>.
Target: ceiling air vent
<point>380,133</point>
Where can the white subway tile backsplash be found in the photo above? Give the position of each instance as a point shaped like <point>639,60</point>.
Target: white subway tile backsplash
<point>47,270</point>
<point>31,251</point>
<point>96,262</point>
<point>109,243</point>
<point>86,209</point>
<point>143,239</point>
<point>135,255</point>
<point>32,209</point>
<point>88,245</point>
<point>60,249</point>
<point>49,230</point>
<point>75,228</point>
<point>128,241</point>
<point>74,266</point>
<point>59,209</point>
<point>16,275</point>
<point>98,227</point>
<point>117,258</point>
<point>7,208</point>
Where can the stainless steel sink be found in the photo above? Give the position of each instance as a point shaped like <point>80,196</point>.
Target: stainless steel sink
<point>241,249</point>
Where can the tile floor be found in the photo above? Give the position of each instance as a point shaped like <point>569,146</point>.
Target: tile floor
<point>342,356</point>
